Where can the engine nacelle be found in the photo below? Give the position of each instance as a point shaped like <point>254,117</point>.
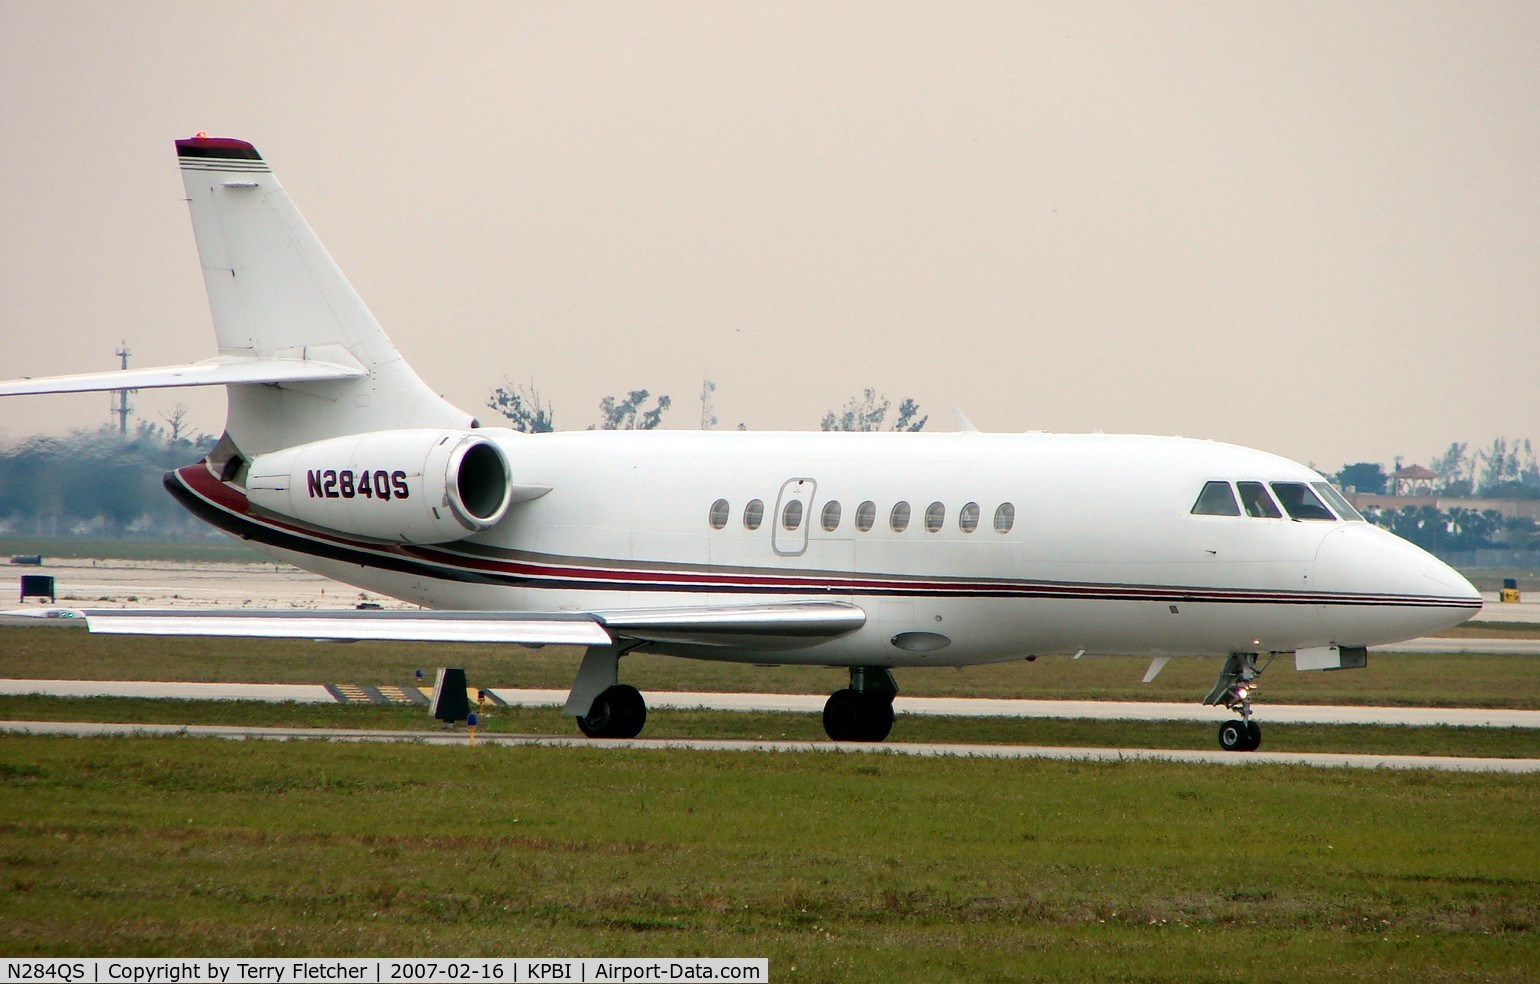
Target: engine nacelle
<point>407,486</point>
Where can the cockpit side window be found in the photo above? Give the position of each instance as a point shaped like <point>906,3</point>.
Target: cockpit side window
<point>1337,501</point>
<point>1256,500</point>
<point>1300,502</point>
<point>1216,499</point>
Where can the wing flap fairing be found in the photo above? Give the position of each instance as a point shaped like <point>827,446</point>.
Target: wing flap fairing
<point>731,625</point>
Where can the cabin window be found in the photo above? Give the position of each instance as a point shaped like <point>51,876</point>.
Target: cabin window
<point>1005,518</point>
<point>935,517</point>
<point>968,517</point>
<point>831,515</point>
<point>1216,499</point>
<point>1300,502</point>
<point>791,516</point>
<point>866,515</point>
<point>1337,501</point>
<point>753,514</point>
<point>899,517</point>
<point>1256,501</point>
<point>718,516</point>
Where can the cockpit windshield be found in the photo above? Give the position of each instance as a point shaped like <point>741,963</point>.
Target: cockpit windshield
<point>1337,501</point>
<point>1300,502</point>
<point>1314,501</point>
<point>1216,499</point>
<point>1257,502</point>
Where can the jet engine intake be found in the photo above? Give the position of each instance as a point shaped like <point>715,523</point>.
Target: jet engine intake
<point>406,486</point>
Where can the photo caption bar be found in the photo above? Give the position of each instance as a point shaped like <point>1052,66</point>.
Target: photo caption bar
<point>500,970</point>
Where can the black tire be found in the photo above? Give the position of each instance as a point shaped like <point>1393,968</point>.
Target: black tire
<point>842,717</point>
<point>877,717</point>
<point>1253,736</point>
<point>1232,736</point>
<point>618,712</point>
<point>850,715</point>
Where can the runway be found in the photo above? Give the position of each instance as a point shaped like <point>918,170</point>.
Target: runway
<point>1100,710</point>
<point>922,750</point>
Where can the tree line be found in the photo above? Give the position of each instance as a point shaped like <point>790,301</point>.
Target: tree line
<point>99,483</point>
<point>1503,469</point>
<point>1458,529</point>
<point>522,406</point>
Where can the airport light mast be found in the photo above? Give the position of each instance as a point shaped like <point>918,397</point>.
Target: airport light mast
<point>120,406</point>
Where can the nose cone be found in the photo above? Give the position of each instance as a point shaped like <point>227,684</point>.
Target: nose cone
<point>1377,588</point>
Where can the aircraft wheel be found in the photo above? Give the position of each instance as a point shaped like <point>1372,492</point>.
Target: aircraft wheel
<point>878,715</point>
<point>851,715</point>
<point>1253,736</point>
<point>842,716</point>
<point>1232,736</point>
<point>619,712</point>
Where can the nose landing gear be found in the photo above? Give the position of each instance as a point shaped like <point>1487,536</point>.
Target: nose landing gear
<point>1234,689</point>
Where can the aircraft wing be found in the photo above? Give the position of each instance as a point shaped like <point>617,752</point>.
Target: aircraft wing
<point>224,370</point>
<point>704,625</point>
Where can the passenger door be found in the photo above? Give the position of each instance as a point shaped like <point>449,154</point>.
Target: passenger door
<point>792,516</point>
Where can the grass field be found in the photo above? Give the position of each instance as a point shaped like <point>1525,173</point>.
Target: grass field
<point>837,868</point>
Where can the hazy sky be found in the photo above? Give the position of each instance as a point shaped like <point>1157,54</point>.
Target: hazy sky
<point>1312,228</point>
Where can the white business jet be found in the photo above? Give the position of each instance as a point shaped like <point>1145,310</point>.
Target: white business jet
<point>867,551</point>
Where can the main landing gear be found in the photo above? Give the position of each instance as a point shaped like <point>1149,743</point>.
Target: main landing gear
<point>1236,684</point>
<point>618,712</point>
<point>604,707</point>
<point>864,710</point>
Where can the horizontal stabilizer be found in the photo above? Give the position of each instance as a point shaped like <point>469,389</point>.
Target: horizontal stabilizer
<point>224,370</point>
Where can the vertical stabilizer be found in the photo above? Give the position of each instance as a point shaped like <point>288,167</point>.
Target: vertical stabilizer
<point>275,293</point>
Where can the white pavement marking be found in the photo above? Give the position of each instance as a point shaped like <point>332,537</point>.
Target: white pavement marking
<point>1100,710</point>
<point>925,750</point>
<point>273,693</point>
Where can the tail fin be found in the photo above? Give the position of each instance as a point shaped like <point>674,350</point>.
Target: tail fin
<point>277,295</point>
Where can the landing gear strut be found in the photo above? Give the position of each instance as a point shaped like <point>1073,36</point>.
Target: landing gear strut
<point>864,710</point>
<point>1234,689</point>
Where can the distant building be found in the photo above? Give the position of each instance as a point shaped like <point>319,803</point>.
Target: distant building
<point>1413,480</point>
